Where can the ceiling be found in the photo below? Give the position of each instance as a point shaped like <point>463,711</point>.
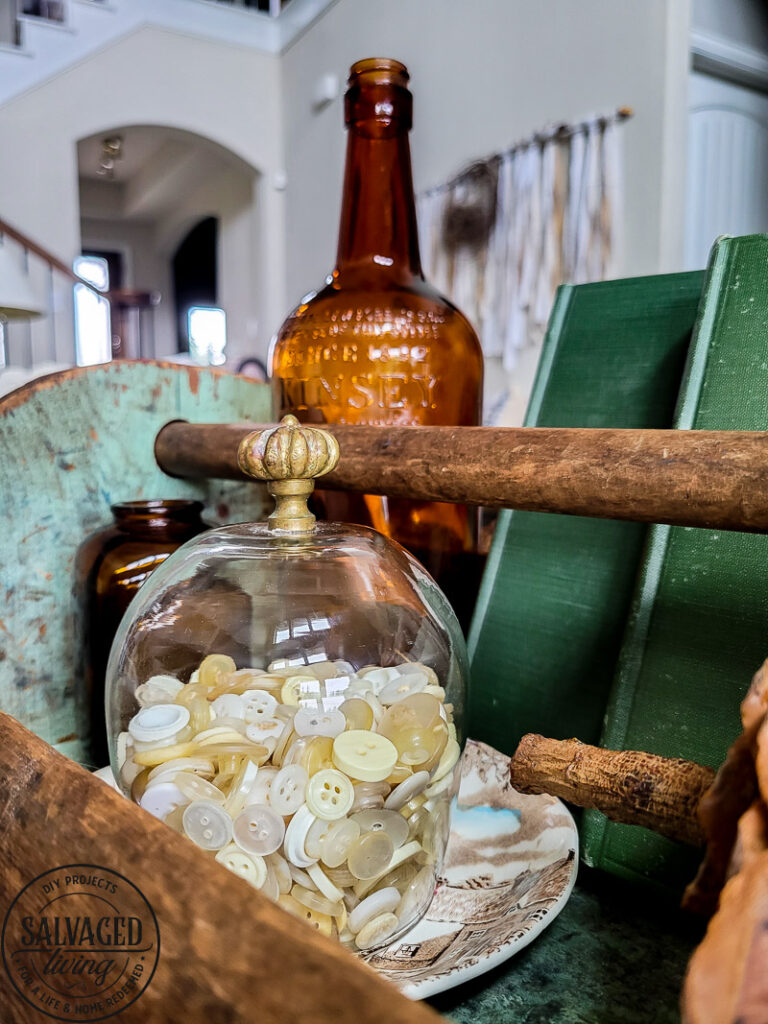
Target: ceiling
<point>157,167</point>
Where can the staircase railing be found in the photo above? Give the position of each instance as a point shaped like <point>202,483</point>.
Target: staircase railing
<point>46,343</point>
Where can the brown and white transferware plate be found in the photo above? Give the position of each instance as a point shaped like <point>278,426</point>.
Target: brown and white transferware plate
<point>508,871</point>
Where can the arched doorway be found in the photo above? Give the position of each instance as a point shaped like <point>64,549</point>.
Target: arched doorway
<point>173,215</point>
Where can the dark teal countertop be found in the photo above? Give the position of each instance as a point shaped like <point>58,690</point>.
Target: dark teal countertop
<point>616,955</point>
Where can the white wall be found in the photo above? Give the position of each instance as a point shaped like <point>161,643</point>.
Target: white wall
<point>153,76</point>
<point>485,73</point>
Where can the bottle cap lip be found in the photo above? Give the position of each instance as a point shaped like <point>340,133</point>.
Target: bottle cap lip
<point>379,71</point>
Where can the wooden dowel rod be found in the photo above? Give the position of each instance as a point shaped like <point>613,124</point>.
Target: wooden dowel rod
<point>227,953</point>
<point>629,786</point>
<point>716,479</point>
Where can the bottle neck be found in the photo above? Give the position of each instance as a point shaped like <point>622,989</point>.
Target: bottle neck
<point>378,237</point>
<point>173,518</point>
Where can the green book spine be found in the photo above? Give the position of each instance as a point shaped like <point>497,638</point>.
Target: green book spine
<point>697,627</point>
<point>555,594</point>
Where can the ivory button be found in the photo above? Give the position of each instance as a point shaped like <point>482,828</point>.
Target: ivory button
<point>207,825</point>
<point>286,794</point>
<point>300,689</point>
<point>364,755</point>
<point>259,830</point>
<point>407,790</point>
<point>295,838</point>
<point>336,843</point>
<point>315,901</point>
<point>330,794</point>
<point>252,869</point>
<point>307,722</point>
<point>240,788</point>
<point>370,855</point>
<point>195,788</point>
<point>325,885</point>
<point>282,872</point>
<point>259,792</point>
<point>399,856</point>
<point>258,704</point>
<point>402,687</point>
<point>159,689</point>
<point>229,705</point>
<point>383,901</point>
<point>317,754</point>
<point>358,713</point>
<point>158,722</point>
<point>377,931</point>
<point>390,823</point>
<point>214,668</point>
<point>160,798</point>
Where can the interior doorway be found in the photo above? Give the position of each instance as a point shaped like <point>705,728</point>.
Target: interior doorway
<point>194,273</point>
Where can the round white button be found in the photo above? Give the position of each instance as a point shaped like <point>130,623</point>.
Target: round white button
<point>330,794</point>
<point>338,839</point>
<point>376,931</point>
<point>324,884</point>
<point>229,705</point>
<point>364,755</point>
<point>158,722</point>
<point>195,788</point>
<point>383,901</point>
<point>207,825</point>
<point>286,794</point>
<point>258,704</point>
<point>389,822</point>
<point>158,690</point>
<point>407,790</point>
<point>308,722</point>
<point>316,836</point>
<point>402,687</point>
<point>198,765</point>
<point>262,787</point>
<point>295,837</point>
<point>263,730</point>
<point>259,830</point>
<point>160,798</point>
<point>301,690</point>
<point>252,869</point>
<point>379,677</point>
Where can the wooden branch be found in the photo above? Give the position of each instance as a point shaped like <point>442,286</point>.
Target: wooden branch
<point>628,786</point>
<point>716,479</point>
<point>227,953</point>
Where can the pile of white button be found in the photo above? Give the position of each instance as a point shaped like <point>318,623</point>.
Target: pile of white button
<point>325,787</point>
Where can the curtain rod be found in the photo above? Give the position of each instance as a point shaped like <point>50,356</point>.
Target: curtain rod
<point>559,132</point>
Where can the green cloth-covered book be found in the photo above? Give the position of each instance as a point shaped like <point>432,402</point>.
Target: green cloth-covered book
<point>698,627</point>
<point>556,591</point>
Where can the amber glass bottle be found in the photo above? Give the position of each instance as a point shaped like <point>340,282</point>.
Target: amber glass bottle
<point>110,566</point>
<point>378,344</point>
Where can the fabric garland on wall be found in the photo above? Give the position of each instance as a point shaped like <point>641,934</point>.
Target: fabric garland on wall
<point>501,236</point>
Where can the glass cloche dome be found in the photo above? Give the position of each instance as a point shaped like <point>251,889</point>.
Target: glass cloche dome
<point>288,696</point>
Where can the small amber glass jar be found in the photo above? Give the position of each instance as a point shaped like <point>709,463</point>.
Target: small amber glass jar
<point>110,566</point>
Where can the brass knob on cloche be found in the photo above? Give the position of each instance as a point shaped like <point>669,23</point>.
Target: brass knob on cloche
<point>290,457</point>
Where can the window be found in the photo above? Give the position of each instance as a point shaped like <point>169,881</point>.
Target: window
<point>207,332</point>
<point>93,334</point>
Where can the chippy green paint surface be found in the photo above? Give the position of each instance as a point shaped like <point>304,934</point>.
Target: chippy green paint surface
<point>70,446</point>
